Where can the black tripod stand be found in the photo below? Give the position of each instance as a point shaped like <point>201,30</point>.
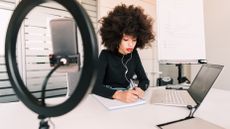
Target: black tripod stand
<point>43,123</point>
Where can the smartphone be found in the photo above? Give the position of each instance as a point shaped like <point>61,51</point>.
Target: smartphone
<point>64,41</point>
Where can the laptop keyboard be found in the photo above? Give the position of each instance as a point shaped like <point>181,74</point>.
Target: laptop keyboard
<point>176,96</point>
<point>171,97</point>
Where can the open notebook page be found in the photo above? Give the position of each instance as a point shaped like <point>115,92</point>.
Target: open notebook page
<point>112,104</point>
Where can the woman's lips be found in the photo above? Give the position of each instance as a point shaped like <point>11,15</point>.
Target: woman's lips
<point>129,49</point>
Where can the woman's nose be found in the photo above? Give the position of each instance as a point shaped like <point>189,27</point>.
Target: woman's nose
<point>131,43</point>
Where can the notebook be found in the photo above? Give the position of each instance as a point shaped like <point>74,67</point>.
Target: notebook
<point>112,104</point>
<point>195,94</point>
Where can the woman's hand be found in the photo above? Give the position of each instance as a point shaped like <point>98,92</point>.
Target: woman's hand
<point>129,96</point>
<point>140,92</point>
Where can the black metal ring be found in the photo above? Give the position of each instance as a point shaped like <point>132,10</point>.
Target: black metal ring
<point>89,72</point>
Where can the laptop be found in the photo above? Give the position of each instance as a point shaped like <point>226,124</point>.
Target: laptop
<point>195,94</point>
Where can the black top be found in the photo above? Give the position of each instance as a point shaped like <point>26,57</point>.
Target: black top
<point>112,72</point>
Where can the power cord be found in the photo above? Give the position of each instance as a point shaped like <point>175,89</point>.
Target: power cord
<point>44,120</point>
<point>46,80</point>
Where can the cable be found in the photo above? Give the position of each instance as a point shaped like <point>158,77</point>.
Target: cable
<point>44,84</point>
<point>125,65</point>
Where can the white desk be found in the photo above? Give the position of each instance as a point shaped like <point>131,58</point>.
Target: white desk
<point>90,114</point>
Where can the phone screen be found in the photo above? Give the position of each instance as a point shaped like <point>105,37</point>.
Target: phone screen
<point>64,41</point>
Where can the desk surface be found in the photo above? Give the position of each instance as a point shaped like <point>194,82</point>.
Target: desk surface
<point>91,114</point>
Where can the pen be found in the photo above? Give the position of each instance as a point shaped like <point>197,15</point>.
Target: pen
<point>132,84</point>
<point>132,87</point>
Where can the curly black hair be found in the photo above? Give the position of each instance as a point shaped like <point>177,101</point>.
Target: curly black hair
<point>127,20</point>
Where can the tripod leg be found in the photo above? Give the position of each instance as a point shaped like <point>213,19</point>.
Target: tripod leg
<point>43,124</point>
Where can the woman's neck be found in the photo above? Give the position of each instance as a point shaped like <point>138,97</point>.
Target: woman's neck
<point>121,52</point>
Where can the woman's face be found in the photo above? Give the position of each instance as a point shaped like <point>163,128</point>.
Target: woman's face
<point>127,44</point>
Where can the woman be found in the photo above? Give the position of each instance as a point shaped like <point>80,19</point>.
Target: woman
<point>125,29</point>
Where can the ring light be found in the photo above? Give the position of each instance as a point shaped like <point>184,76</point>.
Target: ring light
<point>88,75</point>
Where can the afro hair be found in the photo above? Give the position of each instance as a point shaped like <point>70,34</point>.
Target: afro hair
<point>127,20</point>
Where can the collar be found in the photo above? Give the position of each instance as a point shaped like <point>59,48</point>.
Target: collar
<point>120,55</point>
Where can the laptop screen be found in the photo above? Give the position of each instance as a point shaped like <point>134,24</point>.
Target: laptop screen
<point>203,81</point>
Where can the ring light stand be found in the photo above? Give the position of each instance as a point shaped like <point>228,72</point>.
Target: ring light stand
<point>89,73</point>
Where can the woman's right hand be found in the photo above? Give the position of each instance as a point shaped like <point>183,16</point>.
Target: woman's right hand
<point>127,96</point>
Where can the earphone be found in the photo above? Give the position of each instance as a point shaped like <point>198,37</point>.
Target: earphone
<point>125,65</point>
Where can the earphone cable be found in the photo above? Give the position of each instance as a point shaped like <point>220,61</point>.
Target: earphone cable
<point>125,65</point>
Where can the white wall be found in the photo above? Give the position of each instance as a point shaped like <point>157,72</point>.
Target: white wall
<point>217,35</point>
<point>217,39</point>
